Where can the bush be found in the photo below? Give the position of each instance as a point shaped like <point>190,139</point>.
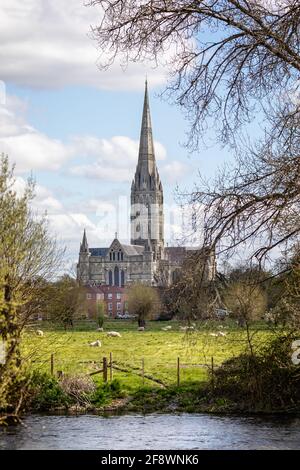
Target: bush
<point>45,392</point>
<point>267,380</point>
<point>106,392</point>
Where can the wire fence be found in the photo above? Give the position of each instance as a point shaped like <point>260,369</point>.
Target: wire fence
<point>107,368</point>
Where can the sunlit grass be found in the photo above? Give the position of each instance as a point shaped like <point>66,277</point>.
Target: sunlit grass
<point>159,349</point>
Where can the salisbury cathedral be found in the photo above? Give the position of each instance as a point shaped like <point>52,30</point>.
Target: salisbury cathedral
<point>146,259</point>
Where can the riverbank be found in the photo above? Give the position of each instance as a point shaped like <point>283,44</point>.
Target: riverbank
<point>188,398</point>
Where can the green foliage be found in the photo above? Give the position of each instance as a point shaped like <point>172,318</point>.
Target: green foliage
<point>46,392</point>
<point>106,392</point>
<point>27,257</point>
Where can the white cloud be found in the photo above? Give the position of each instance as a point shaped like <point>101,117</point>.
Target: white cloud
<point>111,159</point>
<point>115,158</point>
<point>25,145</point>
<point>45,44</point>
<point>44,200</point>
<point>174,171</point>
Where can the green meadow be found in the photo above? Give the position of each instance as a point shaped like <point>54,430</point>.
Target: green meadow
<point>158,349</point>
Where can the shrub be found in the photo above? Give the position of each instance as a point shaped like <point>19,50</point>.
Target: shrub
<point>45,392</point>
<point>266,380</point>
<point>105,392</point>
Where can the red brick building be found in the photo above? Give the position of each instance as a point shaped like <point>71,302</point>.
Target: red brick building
<point>114,299</point>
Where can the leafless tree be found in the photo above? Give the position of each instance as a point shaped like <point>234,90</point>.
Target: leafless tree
<point>229,61</point>
<point>194,295</point>
<point>227,58</point>
<point>253,206</point>
<point>286,311</point>
<point>143,302</point>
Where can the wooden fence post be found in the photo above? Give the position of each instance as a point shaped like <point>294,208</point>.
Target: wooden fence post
<point>178,371</point>
<point>52,364</point>
<point>105,369</point>
<point>143,371</point>
<point>110,367</point>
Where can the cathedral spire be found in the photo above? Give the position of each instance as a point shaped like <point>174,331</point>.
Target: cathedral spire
<point>146,151</point>
<point>84,244</point>
<point>147,192</point>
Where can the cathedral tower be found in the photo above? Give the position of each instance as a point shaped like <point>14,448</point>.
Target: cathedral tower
<point>147,219</point>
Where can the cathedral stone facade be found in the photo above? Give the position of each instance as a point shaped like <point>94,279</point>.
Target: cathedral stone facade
<point>145,259</point>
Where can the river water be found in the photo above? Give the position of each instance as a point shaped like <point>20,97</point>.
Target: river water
<point>156,431</point>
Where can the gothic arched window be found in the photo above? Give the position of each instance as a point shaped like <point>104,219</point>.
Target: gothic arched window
<point>110,278</point>
<point>117,276</point>
<point>122,278</point>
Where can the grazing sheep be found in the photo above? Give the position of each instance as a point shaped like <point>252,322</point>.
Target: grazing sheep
<point>186,328</point>
<point>114,334</point>
<point>141,328</point>
<point>96,343</point>
<point>168,327</point>
<point>220,333</point>
<point>39,333</point>
<point>100,329</point>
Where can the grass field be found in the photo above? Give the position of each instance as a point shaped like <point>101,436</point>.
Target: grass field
<point>159,349</point>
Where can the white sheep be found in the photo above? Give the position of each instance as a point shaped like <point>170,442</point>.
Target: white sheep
<point>100,329</point>
<point>96,343</point>
<point>141,328</point>
<point>186,328</point>
<point>39,333</point>
<point>114,334</point>
<point>220,333</point>
<point>168,327</point>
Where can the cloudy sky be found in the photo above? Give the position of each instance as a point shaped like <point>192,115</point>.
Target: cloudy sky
<point>76,128</point>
